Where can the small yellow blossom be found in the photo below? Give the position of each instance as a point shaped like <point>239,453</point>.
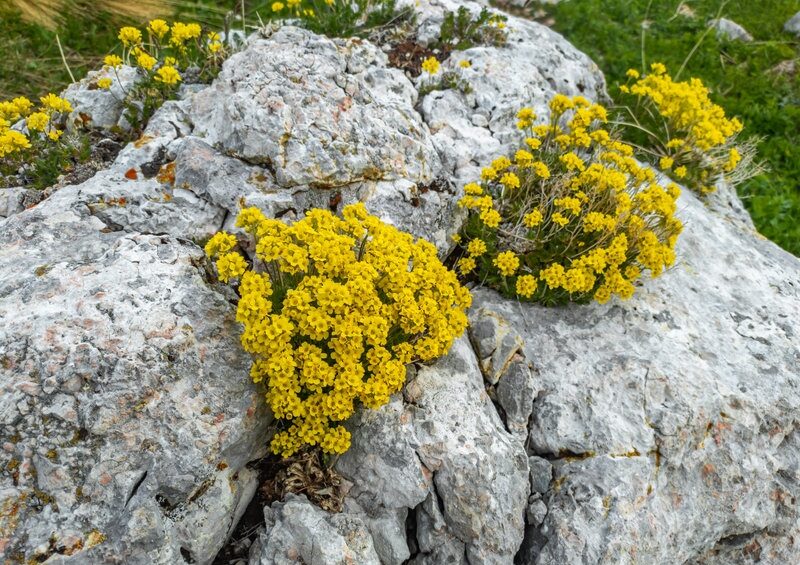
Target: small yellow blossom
<point>526,286</point>
<point>37,121</point>
<point>104,83</point>
<point>159,28</point>
<point>431,65</point>
<point>168,75</point>
<point>507,263</point>
<point>113,61</point>
<point>476,248</point>
<point>130,36</point>
<point>464,64</point>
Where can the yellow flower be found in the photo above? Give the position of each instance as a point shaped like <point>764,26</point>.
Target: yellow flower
<point>533,143</point>
<point>491,218</point>
<point>734,157</point>
<point>219,244</point>
<point>525,118</point>
<point>526,286</point>
<point>104,83</point>
<point>658,68</point>
<point>145,60</point>
<point>680,172</point>
<point>168,75</point>
<point>476,248</point>
<point>130,36</point>
<point>510,180</point>
<point>632,73</point>
<point>56,103</point>
<point>464,64</point>
<point>113,61</point>
<point>560,104</point>
<point>559,219</point>
<point>181,33</point>
<point>431,65</point>
<point>533,218</point>
<point>507,263</point>
<point>277,6</point>
<point>541,170</point>
<point>230,266</point>
<point>666,163</point>
<point>55,134</point>
<point>37,121</point>
<point>466,265</point>
<point>159,28</point>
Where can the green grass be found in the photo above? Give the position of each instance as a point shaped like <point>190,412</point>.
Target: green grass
<point>31,64</point>
<point>610,31</point>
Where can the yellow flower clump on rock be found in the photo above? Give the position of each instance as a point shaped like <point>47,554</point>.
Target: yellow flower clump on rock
<point>333,311</point>
<point>572,217</point>
<point>692,138</point>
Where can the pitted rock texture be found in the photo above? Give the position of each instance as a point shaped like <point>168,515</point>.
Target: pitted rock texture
<point>298,532</point>
<point>97,107</point>
<point>672,419</point>
<point>126,413</point>
<point>320,112</point>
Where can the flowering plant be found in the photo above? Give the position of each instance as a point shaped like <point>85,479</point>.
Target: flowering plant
<point>339,18</point>
<point>161,55</point>
<point>572,216</point>
<point>684,132</point>
<point>333,311</point>
<point>38,144</point>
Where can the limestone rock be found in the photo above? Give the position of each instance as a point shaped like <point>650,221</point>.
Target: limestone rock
<point>792,25</point>
<point>97,107</point>
<point>445,449</point>
<point>319,112</point>
<point>298,532</point>
<point>671,418</point>
<point>126,413</point>
<point>728,29</point>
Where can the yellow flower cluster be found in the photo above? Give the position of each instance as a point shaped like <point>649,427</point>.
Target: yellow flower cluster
<point>680,122</point>
<point>41,124</point>
<point>160,52</point>
<point>581,220</point>
<point>431,65</point>
<point>338,310</point>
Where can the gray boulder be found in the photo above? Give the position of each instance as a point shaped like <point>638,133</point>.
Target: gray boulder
<point>728,29</point>
<point>298,532</point>
<point>126,413</point>
<point>792,25</point>
<point>97,107</point>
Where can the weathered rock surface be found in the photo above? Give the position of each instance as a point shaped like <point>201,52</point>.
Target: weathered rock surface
<point>320,112</point>
<point>728,29</point>
<point>792,25</point>
<point>97,107</point>
<point>126,411</point>
<point>672,419</point>
<point>296,531</point>
<point>444,456</point>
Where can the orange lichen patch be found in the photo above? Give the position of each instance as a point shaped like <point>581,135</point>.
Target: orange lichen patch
<point>720,427</point>
<point>131,174</point>
<point>94,538</point>
<point>9,518</point>
<point>166,175</point>
<point>139,143</point>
